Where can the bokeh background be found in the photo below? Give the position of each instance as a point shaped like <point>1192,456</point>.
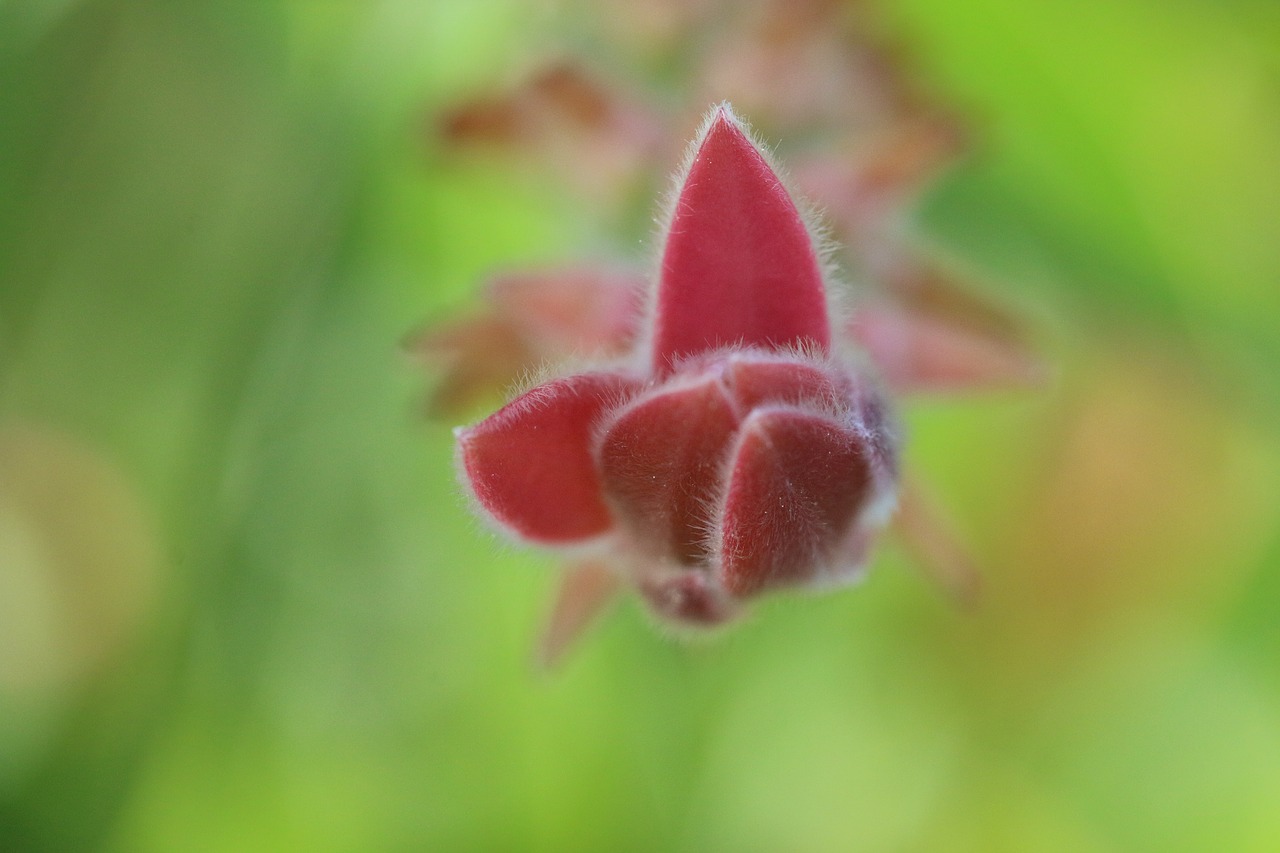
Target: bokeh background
<point>243,605</point>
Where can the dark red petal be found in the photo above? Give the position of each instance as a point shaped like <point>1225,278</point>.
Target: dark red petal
<point>530,463</point>
<point>758,380</point>
<point>797,483</point>
<point>739,265</point>
<point>661,461</point>
<point>687,598</point>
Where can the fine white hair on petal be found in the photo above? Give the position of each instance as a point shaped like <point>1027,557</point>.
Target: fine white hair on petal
<point>506,537</point>
<point>824,248</point>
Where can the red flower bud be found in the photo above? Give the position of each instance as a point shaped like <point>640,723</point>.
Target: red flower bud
<point>752,456</point>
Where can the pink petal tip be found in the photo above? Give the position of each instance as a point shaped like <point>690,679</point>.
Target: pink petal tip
<point>739,265</point>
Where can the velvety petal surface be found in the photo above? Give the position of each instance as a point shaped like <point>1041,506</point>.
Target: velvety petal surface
<point>686,597</point>
<point>530,465</point>
<point>778,379</point>
<point>660,461</point>
<point>739,266</point>
<point>796,484</point>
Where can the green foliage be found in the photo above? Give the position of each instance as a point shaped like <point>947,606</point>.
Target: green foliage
<point>242,603</point>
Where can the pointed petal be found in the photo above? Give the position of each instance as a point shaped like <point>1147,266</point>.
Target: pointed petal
<point>796,485</point>
<point>917,353</point>
<point>739,265</point>
<point>939,553</point>
<point>584,592</point>
<point>529,464</point>
<point>660,461</point>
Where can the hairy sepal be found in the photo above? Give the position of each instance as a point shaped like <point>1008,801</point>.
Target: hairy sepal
<point>660,461</point>
<point>797,483</point>
<point>530,466</point>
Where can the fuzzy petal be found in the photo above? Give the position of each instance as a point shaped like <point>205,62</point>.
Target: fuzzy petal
<point>688,598</point>
<point>760,380</point>
<point>530,464</point>
<point>739,265</point>
<point>796,485</point>
<point>660,461</point>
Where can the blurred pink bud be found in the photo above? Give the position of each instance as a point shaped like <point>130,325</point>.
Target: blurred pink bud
<point>917,353</point>
<point>526,319</point>
<point>604,137</point>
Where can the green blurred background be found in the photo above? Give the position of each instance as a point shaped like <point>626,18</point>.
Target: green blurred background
<point>243,605</point>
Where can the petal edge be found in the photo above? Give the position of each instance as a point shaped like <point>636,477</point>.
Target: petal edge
<point>797,482</point>
<point>529,464</point>
<point>739,265</point>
